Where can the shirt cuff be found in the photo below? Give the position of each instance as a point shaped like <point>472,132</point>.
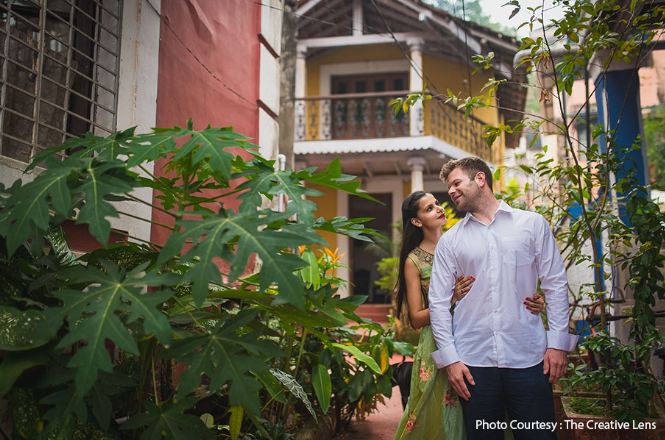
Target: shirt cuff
<point>561,340</point>
<point>445,356</point>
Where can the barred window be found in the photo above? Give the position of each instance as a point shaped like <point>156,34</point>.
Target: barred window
<point>60,63</point>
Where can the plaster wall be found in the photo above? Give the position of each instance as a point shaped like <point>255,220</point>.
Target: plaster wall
<point>209,61</point>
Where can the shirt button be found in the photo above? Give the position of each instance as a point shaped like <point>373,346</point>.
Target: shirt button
<point>491,267</point>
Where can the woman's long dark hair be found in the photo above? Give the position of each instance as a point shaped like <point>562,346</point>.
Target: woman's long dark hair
<point>411,238</point>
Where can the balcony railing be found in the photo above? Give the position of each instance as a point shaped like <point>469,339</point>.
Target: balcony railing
<point>447,123</point>
<point>350,116</point>
<point>368,116</point>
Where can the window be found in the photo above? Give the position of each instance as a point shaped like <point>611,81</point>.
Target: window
<point>59,65</point>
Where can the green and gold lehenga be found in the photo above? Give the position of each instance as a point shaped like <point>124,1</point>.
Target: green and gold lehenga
<point>433,410</point>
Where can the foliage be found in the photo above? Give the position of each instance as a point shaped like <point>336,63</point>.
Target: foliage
<point>472,10</point>
<point>592,195</point>
<point>654,139</point>
<point>139,338</point>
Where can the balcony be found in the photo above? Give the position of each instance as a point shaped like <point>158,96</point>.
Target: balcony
<point>361,116</point>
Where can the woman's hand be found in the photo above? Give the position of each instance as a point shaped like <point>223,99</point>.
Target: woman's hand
<point>535,304</point>
<point>462,287</point>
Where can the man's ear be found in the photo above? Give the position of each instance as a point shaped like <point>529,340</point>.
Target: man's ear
<point>416,222</point>
<point>480,179</point>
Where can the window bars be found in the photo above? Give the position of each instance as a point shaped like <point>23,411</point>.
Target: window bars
<point>59,63</point>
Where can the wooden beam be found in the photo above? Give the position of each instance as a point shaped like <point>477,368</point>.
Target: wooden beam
<point>307,6</point>
<point>350,40</point>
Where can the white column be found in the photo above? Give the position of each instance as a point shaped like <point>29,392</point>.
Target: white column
<point>300,92</point>
<point>357,18</point>
<point>417,164</point>
<point>416,84</point>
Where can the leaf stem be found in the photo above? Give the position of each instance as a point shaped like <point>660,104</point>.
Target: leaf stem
<point>136,199</point>
<point>145,220</point>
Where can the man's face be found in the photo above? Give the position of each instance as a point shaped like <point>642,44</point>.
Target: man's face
<point>463,191</point>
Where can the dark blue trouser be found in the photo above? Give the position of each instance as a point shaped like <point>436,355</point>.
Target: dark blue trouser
<point>525,394</point>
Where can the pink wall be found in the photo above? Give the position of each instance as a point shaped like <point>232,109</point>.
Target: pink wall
<point>223,36</point>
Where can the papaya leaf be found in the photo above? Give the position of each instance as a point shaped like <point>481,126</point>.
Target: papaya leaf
<point>322,386</point>
<point>99,182</point>
<point>264,179</point>
<point>210,143</point>
<point>211,235</point>
<point>93,316</point>
<point>150,147</point>
<point>167,420</point>
<point>332,177</point>
<point>350,227</point>
<point>219,354</point>
<point>28,205</point>
<point>64,402</point>
<point>296,389</point>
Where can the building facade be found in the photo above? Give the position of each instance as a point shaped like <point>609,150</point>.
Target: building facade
<point>356,56</point>
<point>100,66</point>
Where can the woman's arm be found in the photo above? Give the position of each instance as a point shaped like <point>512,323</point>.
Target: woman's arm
<point>414,297</point>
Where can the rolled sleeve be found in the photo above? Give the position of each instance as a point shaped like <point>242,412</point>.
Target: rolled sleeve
<point>445,356</point>
<point>440,293</point>
<point>561,340</point>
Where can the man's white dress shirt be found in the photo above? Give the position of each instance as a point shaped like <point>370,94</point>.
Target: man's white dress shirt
<point>491,326</point>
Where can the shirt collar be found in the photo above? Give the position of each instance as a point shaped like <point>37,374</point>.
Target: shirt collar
<point>503,206</point>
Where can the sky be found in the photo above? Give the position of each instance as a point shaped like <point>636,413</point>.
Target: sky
<point>502,13</point>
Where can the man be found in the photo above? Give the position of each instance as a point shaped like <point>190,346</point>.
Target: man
<point>500,357</point>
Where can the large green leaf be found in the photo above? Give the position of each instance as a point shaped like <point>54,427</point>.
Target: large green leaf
<point>222,355</point>
<point>310,274</point>
<point>355,351</point>
<point>29,205</point>
<point>353,228</point>
<point>270,245</point>
<point>93,316</point>
<point>322,386</point>
<point>209,143</point>
<point>99,182</point>
<point>150,147</point>
<point>167,420</point>
<point>20,330</point>
<point>262,178</point>
<point>332,177</point>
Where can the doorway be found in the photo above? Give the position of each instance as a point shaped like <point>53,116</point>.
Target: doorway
<point>363,262</point>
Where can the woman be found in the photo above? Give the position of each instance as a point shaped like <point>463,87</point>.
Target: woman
<point>433,410</point>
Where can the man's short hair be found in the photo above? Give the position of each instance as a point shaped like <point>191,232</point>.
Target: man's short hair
<point>470,165</point>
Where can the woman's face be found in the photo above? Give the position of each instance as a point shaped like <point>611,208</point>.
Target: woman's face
<point>430,214</point>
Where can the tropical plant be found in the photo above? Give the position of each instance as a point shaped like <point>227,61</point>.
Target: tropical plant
<point>165,339</point>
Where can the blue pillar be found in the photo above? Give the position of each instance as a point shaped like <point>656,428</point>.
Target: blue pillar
<point>618,101</point>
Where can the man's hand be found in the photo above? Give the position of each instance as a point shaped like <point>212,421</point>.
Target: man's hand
<point>555,363</point>
<point>456,373</point>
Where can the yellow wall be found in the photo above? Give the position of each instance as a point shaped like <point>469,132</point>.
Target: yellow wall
<point>327,208</point>
<point>443,74</point>
<point>446,74</point>
<point>407,188</point>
